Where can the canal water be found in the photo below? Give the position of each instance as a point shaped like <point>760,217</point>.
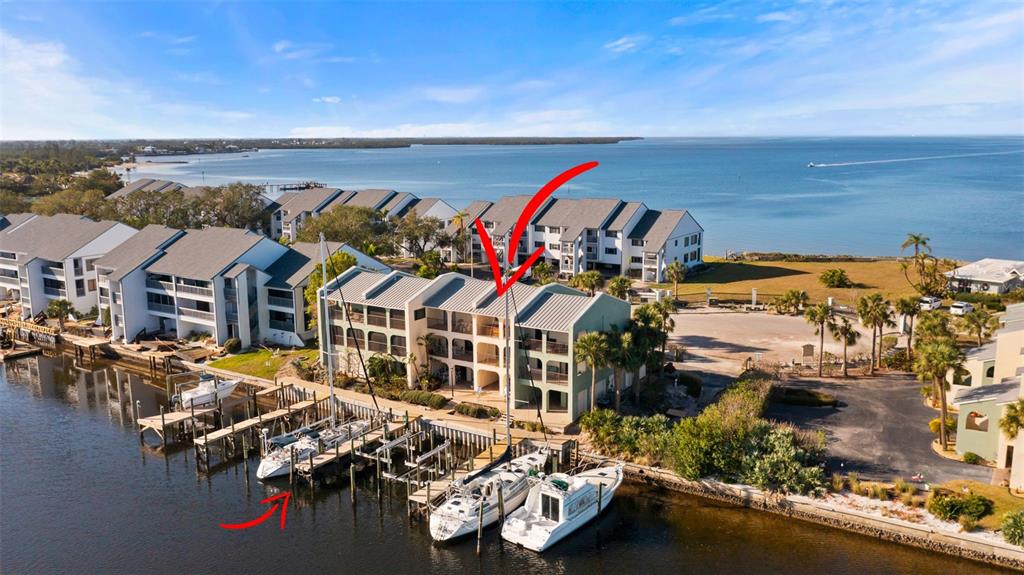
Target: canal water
<point>79,494</point>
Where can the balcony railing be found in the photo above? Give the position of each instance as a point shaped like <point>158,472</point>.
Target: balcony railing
<point>195,290</point>
<point>378,346</point>
<point>462,326</point>
<point>156,284</point>
<point>398,323</point>
<point>489,359</point>
<point>536,374</point>
<point>160,307</point>
<point>56,292</point>
<point>281,325</point>
<point>286,302</point>
<point>462,354</point>
<point>230,293</point>
<point>196,313</point>
<point>53,271</point>
<point>559,348</point>
<point>557,377</point>
<point>489,330</point>
<point>533,344</point>
<point>378,320</point>
<point>356,316</point>
<point>437,323</point>
<point>399,351</point>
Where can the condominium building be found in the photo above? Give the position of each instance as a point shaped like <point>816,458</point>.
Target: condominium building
<point>453,328</point>
<point>224,282</point>
<point>622,238</point>
<point>44,258</point>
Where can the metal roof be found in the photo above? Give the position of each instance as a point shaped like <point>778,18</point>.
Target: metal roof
<point>655,227</point>
<point>395,290</point>
<point>989,270</point>
<point>54,237</point>
<point>202,254</point>
<point>1006,392</point>
<point>459,294</point>
<point>137,250</point>
<point>554,311</point>
<point>353,283</point>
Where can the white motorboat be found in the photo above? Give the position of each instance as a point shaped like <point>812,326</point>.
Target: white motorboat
<point>277,460</point>
<point>459,514</point>
<point>559,504</point>
<point>208,390</point>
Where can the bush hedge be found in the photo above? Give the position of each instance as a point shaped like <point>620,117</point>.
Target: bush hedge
<point>233,345</point>
<point>972,458</point>
<point>808,397</point>
<point>835,278</point>
<point>476,410</point>
<point>989,300</point>
<point>952,506</point>
<point>431,400</point>
<point>1013,527</point>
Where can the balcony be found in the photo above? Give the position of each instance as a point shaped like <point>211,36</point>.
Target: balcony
<point>437,323</point>
<point>378,346</point>
<point>63,294</point>
<point>398,322</point>
<point>285,302</point>
<point>104,300</point>
<point>462,326</point>
<point>558,348</point>
<point>399,351</point>
<point>195,290</point>
<point>537,375</point>
<point>160,307</point>
<point>230,293</point>
<point>533,344</point>
<point>462,354</point>
<point>377,319</point>
<point>53,271</point>
<point>159,285</point>
<point>557,377</point>
<point>487,329</point>
<point>488,359</point>
<point>197,314</point>
<point>281,325</point>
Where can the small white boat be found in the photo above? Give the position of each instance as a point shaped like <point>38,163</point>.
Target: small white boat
<point>277,460</point>
<point>208,391</point>
<point>459,515</point>
<point>559,504</point>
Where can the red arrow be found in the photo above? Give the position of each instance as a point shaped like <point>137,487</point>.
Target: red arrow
<point>524,220</point>
<point>284,513</point>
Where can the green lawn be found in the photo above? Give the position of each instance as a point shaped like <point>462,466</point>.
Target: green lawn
<point>262,363</point>
<point>1004,502</point>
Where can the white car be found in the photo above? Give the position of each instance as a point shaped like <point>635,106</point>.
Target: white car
<point>961,308</point>
<point>928,303</point>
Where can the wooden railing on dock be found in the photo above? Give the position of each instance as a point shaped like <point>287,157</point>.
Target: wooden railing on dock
<point>17,324</point>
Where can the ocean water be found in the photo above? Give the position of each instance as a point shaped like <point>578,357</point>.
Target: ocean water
<point>758,194</point>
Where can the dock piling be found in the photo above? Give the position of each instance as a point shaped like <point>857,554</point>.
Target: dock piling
<point>480,528</point>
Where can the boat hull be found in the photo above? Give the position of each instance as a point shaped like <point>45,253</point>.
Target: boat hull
<point>446,529</point>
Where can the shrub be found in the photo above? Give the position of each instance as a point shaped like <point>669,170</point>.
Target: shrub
<point>933,425</point>
<point>967,523</point>
<point>476,410</point>
<point>530,426</point>
<point>972,458</point>
<point>901,485</point>
<point>838,482</point>
<point>881,493</point>
<point>854,480</point>
<point>809,397</point>
<point>907,499</point>
<point>1013,527</point>
<point>633,437</point>
<point>988,300</point>
<point>233,345</point>
<point>835,278</point>
<point>951,506</point>
<point>899,360</point>
<point>431,400</point>
<point>889,342</point>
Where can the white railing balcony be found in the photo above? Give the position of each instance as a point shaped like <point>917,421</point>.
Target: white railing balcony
<point>159,285</point>
<point>286,302</point>
<point>63,294</point>
<point>53,271</point>
<point>557,377</point>
<point>196,313</point>
<point>195,290</point>
<point>281,325</point>
<point>160,307</point>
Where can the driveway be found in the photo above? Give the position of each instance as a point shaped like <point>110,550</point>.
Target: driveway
<point>880,429</point>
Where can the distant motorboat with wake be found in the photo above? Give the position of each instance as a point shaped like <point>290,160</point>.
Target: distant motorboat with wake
<point>559,504</point>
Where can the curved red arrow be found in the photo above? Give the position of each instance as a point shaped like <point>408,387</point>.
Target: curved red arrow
<point>284,513</point>
<point>524,220</point>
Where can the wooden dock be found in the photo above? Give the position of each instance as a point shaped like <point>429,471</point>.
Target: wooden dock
<point>382,433</point>
<point>428,495</point>
<point>159,423</point>
<point>261,420</point>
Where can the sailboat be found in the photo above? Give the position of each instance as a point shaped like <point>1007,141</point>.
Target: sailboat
<point>208,390</point>
<point>559,504</point>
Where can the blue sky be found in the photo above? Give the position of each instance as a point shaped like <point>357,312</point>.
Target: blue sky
<point>139,69</point>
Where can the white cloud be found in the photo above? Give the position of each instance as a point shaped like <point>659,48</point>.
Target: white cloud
<point>182,40</point>
<point>708,14</point>
<point>779,16</point>
<point>626,44</point>
<point>338,59</point>
<point>328,100</point>
<point>451,95</point>
<point>199,78</point>
<point>281,46</point>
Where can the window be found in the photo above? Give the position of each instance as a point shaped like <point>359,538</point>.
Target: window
<point>92,285</point>
<point>88,265</point>
<point>549,506</point>
<point>419,313</point>
<point>553,246</point>
<point>686,241</point>
<point>694,238</point>
<point>539,229</point>
<point>638,243</point>
<point>686,258</point>
<point>80,287</point>
<point>117,320</point>
<point>693,256</point>
<point>538,244</point>
<point>611,251</point>
<point>636,260</point>
<point>991,371</point>
<point>590,250</point>
<point>611,233</point>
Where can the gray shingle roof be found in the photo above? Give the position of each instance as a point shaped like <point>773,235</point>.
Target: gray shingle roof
<point>504,213</point>
<point>292,268</point>
<point>12,220</point>
<point>202,254</point>
<point>1001,393</point>
<point>375,199</point>
<point>576,214</point>
<point>418,206</point>
<point>395,201</point>
<point>656,226</point>
<point>622,215</point>
<point>307,201</point>
<point>137,250</point>
<point>473,211</point>
<point>52,237</point>
<point>554,311</point>
<point>148,185</point>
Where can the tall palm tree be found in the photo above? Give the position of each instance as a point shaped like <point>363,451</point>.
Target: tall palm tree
<point>917,241</point>
<point>619,287</point>
<point>676,273</point>
<point>980,323</point>
<point>909,308</point>
<point>844,331</point>
<point>935,358</point>
<point>665,308</point>
<point>1013,420</point>
<point>543,273</point>
<point>60,309</point>
<point>617,362</point>
<point>874,311</point>
<point>820,315</point>
<point>632,355</point>
<point>592,349</point>
<point>589,281</point>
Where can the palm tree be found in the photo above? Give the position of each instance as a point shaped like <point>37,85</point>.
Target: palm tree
<point>819,315</point>
<point>1012,422</point>
<point>980,323</point>
<point>909,308</point>
<point>632,355</point>
<point>845,332</point>
<point>60,309</point>
<point>676,273</point>
<point>617,362</point>
<point>592,348</point>
<point>917,241</point>
<point>619,287</point>
<point>543,273</point>
<point>935,358</point>
<point>589,281</point>
<point>665,308</point>
<point>874,311</point>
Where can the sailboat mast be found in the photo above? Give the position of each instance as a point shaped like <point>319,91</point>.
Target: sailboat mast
<point>324,318</point>
<point>508,356</point>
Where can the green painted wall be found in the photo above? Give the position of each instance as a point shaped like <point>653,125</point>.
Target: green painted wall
<point>984,443</point>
